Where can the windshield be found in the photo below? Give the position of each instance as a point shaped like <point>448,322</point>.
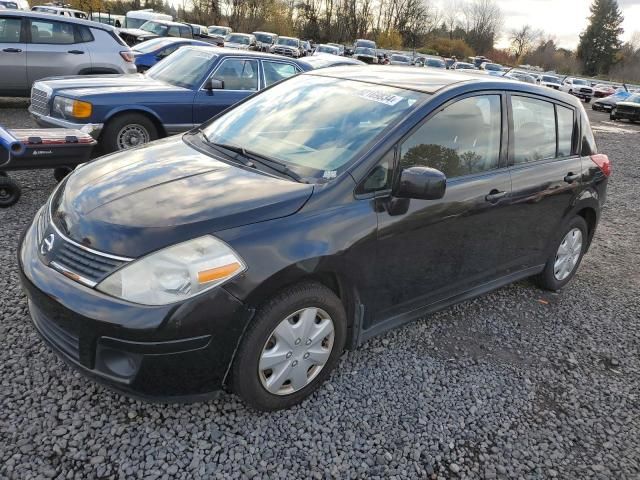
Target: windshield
<point>635,98</point>
<point>185,70</point>
<point>154,27</point>
<point>548,79</point>
<point>366,43</point>
<point>400,58</point>
<point>493,67</point>
<point>365,51</point>
<point>467,66</point>
<point>316,125</point>
<point>134,22</point>
<point>242,39</point>
<point>152,45</point>
<point>9,4</point>
<point>431,62</point>
<point>218,30</point>
<point>577,81</point>
<point>327,49</point>
<point>289,42</point>
<point>263,37</point>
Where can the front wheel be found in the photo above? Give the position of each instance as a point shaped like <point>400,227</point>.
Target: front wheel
<point>587,100</point>
<point>9,192</point>
<point>567,254</point>
<point>294,342</point>
<point>612,115</point>
<point>128,131</point>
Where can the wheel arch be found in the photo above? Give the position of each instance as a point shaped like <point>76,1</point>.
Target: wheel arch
<point>137,109</point>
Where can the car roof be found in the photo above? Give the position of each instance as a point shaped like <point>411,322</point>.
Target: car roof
<point>240,33</point>
<point>43,15</point>
<point>431,80</point>
<point>169,40</point>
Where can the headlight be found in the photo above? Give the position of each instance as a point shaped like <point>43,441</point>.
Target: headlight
<point>67,107</point>
<point>175,273</point>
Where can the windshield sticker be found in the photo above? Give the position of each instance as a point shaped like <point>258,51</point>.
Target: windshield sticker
<point>329,174</point>
<point>386,98</point>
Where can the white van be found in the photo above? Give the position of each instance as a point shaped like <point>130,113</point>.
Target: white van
<point>108,19</point>
<point>136,18</point>
<point>64,11</point>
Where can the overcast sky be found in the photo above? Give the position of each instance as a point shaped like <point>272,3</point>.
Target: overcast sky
<point>563,19</point>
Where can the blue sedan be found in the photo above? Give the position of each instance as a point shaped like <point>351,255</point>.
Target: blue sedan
<point>147,54</point>
<point>175,95</point>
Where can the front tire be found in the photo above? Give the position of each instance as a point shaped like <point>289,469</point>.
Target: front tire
<point>563,262</point>
<point>612,115</point>
<point>128,131</point>
<point>587,100</point>
<point>9,192</point>
<point>291,347</point>
<point>59,173</point>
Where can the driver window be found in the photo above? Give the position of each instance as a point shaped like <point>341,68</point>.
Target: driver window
<point>462,139</point>
<point>238,74</point>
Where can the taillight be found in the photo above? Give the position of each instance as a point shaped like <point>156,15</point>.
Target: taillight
<point>127,56</point>
<point>603,163</point>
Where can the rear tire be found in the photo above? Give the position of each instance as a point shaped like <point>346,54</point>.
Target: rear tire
<point>128,131</point>
<point>566,255</point>
<point>60,173</point>
<point>612,115</point>
<point>267,385</point>
<point>9,192</point>
<point>587,100</point>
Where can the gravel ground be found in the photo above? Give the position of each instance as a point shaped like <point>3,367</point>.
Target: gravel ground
<point>519,383</point>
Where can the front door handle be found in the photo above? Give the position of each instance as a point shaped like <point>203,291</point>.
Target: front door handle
<point>495,195</point>
<point>571,177</point>
<point>76,52</point>
<point>12,50</point>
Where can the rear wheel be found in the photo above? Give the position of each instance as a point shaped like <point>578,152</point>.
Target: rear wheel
<point>128,131</point>
<point>587,100</point>
<point>9,191</point>
<point>567,254</point>
<point>60,173</point>
<point>294,342</point>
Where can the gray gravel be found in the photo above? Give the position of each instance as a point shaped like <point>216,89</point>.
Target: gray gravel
<point>519,383</point>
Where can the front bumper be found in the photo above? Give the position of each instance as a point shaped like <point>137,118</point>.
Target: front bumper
<point>633,116</point>
<point>48,121</point>
<point>174,352</point>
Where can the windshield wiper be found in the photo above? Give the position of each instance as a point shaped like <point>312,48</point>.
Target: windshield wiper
<point>269,162</point>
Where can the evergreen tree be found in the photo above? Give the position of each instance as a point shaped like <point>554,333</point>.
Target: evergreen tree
<point>600,42</point>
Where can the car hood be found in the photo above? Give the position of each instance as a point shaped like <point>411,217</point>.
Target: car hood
<point>134,202</point>
<point>137,32</point>
<point>84,85</point>
<point>628,104</point>
<point>238,46</point>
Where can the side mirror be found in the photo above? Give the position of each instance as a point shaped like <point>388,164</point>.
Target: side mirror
<point>213,84</point>
<point>422,183</point>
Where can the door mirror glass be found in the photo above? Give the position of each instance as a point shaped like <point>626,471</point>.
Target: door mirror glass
<point>422,183</point>
<point>214,84</point>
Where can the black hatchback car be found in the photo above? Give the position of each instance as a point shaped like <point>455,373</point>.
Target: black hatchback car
<point>249,253</point>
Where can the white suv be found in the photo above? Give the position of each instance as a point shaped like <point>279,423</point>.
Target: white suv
<point>577,87</point>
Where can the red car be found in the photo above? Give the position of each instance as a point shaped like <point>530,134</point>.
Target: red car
<point>601,90</point>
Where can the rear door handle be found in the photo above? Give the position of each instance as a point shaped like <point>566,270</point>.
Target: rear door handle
<point>12,50</point>
<point>76,52</point>
<point>571,177</point>
<point>495,195</point>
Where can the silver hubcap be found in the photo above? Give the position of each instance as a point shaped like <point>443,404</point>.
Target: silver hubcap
<point>296,351</point>
<point>568,254</point>
<point>131,136</point>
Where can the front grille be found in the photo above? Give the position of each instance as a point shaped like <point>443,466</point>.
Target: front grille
<point>60,337</point>
<point>283,51</point>
<point>39,101</point>
<point>626,109</point>
<point>89,265</point>
<point>585,90</point>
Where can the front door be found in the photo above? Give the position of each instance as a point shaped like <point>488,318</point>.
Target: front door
<point>240,79</point>
<point>430,250</point>
<point>13,56</point>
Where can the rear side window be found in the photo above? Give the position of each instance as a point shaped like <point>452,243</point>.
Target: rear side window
<point>534,130</point>
<point>462,139</point>
<point>84,34</point>
<point>276,71</point>
<point>565,130</point>
<point>10,29</point>
<point>52,32</point>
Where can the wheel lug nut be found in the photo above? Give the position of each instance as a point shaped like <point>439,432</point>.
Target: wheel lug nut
<point>306,355</point>
<point>308,341</point>
<point>289,354</point>
<point>294,363</point>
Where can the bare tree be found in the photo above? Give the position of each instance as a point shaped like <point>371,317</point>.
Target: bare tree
<point>482,22</point>
<point>451,16</point>
<point>523,39</point>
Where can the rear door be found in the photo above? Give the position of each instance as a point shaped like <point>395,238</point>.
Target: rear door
<point>13,56</point>
<point>241,78</point>
<point>546,172</point>
<point>275,70</point>
<point>55,48</point>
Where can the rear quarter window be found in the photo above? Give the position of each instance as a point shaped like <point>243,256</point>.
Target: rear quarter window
<point>565,130</point>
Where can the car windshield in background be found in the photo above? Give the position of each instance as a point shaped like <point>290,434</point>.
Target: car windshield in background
<point>242,39</point>
<point>328,49</point>
<point>218,31</point>
<point>493,67</point>
<point>185,70</point>
<point>635,98</point>
<point>577,81</point>
<point>365,51</point>
<point>366,44</point>
<point>400,58</point>
<point>465,66</point>
<point>549,79</point>
<point>288,42</point>
<point>316,125</point>
<point>432,62</point>
<point>264,38</point>
<point>152,45</point>
<point>154,27</point>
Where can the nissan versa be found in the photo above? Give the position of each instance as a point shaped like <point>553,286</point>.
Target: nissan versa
<point>247,254</point>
